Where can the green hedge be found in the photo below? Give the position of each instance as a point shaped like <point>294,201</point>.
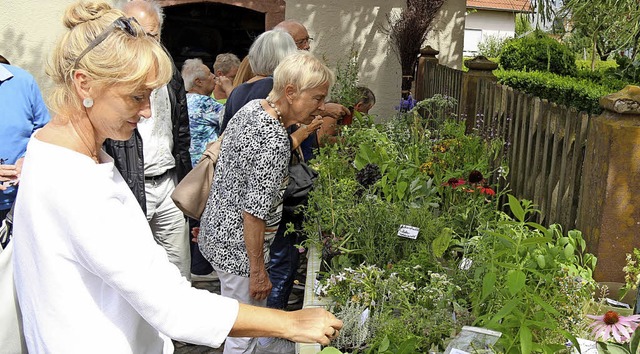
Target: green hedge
<point>538,52</point>
<point>600,65</point>
<point>565,90</point>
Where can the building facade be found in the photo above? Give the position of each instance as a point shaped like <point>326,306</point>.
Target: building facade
<point>200,28</point>
<point>491,20</point>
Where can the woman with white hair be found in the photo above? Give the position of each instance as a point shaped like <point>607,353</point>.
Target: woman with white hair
<point>88,274</point>
<point>204,111</point>
<point>245,203</point>
<point>265,54</point>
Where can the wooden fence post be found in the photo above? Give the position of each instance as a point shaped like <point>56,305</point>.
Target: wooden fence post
<point>609,211</point>
<point>479,68</point>
<point>424,79</point>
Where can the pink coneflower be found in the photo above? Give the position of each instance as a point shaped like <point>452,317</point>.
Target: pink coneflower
<point>611,325</point>
<point>454,182</point>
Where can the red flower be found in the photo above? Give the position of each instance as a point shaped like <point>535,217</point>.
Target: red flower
<point>454,182</point>
<point>486,190</point>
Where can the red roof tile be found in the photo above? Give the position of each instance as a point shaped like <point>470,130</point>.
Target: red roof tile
<point>504,5</point>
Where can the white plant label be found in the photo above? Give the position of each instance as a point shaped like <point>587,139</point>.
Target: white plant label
<point>617,303</point>
<point>408,231</point>
<point>458,351</point>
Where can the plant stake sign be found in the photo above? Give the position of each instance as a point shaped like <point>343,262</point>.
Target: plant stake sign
<point>408,231</point>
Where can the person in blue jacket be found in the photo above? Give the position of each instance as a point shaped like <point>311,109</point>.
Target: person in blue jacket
<point>22,111</point>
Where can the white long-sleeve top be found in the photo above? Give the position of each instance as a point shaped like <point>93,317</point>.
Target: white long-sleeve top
<point>89,276</point>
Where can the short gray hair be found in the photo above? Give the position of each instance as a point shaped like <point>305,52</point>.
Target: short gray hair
<point>225,62</point>
<point>193,69</point>
<point>149,6</point>
<point>268,50</point>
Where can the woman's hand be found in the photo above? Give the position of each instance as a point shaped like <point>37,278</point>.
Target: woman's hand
<point>259,284</point>
<point>195,232</point>
<point>315,124</point>
<point>225,83</point>
<point>313,325</point>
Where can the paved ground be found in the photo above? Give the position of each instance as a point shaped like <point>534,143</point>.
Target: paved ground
<point>214,286</point>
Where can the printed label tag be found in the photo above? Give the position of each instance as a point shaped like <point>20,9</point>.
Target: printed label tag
<point>458,351</point>
<point>408,231</point>
<point>586,346</point>
<point>617,303</point>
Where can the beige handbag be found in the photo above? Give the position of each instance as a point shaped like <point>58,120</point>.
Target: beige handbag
<point>192,192</point>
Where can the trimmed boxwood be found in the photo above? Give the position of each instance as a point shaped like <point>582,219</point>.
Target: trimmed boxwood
<point>538,52</point>
<point>568,91</point>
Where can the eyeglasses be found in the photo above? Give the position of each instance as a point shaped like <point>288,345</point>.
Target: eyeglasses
<point>303,41</point>
<point>124,24</point>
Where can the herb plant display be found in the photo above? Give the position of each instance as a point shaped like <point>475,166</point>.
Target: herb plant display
<point>464,258</point>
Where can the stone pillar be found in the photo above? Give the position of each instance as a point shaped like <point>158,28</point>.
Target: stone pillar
<point>479,68</point>
<point>426,61</point>
<point>609,212</point>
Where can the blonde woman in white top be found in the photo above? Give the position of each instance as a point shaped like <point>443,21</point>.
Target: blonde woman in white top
<point>89,276</point>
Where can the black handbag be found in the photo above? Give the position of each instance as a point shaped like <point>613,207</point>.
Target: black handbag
<point>301,178</point>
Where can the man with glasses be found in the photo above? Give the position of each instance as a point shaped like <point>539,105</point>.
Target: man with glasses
<point>298,31</point>
<point>157,156</point>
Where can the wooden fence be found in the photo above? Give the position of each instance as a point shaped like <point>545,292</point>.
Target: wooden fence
<point>544,148</point>
<point>544,142</point>
<point>440,79</point>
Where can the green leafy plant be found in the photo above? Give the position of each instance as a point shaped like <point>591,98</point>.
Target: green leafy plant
<point>345,90</point>
<point>535,282</point>
<point>491,46</point>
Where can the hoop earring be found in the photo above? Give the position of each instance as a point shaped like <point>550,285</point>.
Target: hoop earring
<point>87,102</point>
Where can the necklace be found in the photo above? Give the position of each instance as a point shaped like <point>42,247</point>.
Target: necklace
<point>92,155</point>
<point>273,105</point>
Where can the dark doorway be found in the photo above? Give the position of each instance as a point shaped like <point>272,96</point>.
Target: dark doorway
<point>204,30</point>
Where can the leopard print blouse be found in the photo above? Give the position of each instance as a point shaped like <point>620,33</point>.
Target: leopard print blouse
<point>251,175</point>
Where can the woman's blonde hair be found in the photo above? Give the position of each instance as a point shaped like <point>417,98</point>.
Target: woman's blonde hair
<point>121,59</point>
<point>244,72</point>
<point>302,70</point>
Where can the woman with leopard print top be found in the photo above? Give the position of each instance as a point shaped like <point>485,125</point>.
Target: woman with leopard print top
<point>245,202</point>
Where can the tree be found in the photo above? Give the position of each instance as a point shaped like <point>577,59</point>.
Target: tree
<point>611,24</point>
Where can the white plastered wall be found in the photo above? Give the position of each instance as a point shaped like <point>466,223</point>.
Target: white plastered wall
<point>337,26</point>
<point>29,30</point>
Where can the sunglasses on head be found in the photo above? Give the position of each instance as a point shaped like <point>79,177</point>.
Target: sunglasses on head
<point>124,24</point>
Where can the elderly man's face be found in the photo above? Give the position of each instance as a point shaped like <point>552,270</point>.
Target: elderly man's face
<point>300,36</point>
<point>148,21</point>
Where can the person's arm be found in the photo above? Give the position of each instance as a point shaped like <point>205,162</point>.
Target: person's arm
<point>225,83</point>
<point>328,131</point>
<point>304,131</point>
<point>335,110</point>
<point>314,325</point>
<point>182,141</point>
<point>259,283</point>
<point>40,114</point>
